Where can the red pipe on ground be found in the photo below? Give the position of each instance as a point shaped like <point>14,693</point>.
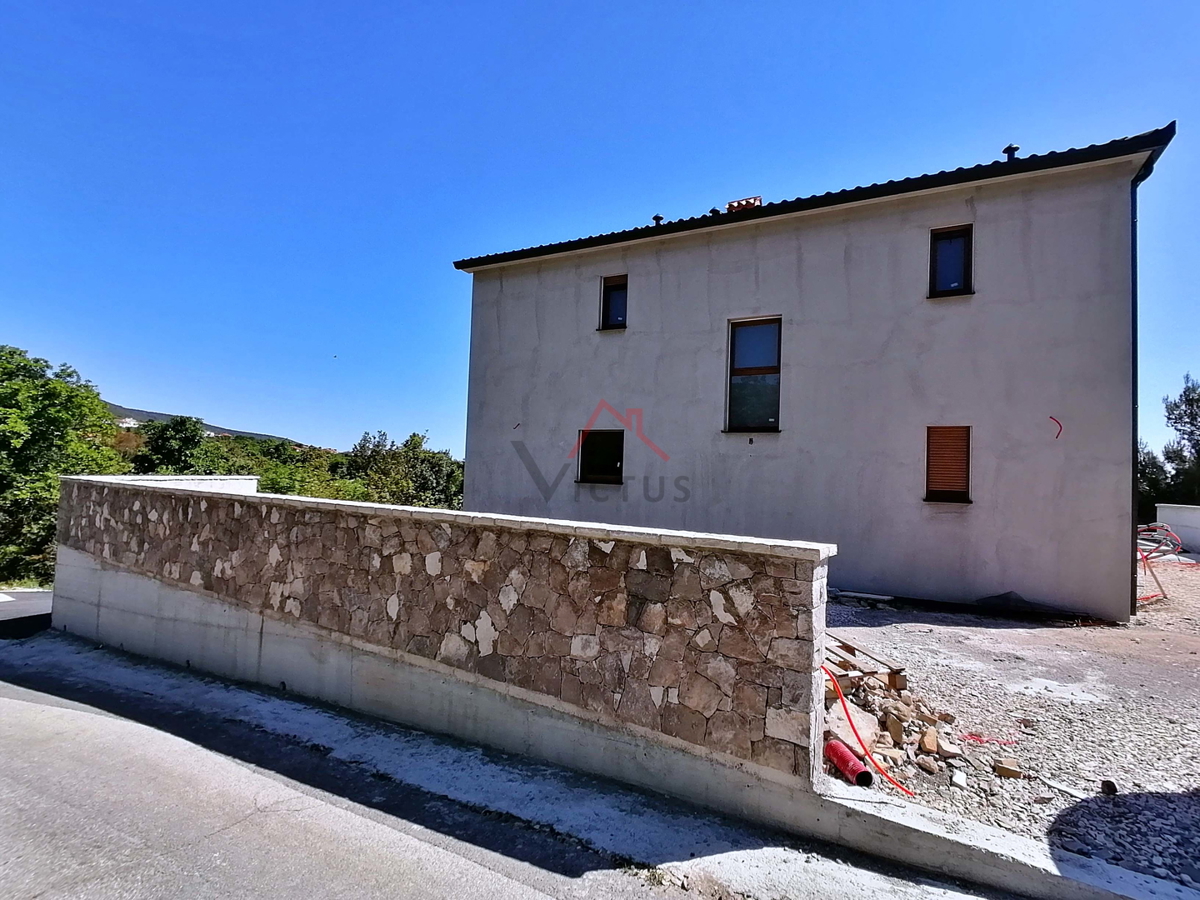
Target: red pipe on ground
<point>850,720</point>
<point>847,763</point>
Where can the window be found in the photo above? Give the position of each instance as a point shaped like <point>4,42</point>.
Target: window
<point>601,454</point>
<point>948,464</point>
<point>950,261</point>
<point>754,376</point>
<point>614,294</point>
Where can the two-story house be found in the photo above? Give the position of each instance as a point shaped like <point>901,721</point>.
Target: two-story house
<point>937,374</point>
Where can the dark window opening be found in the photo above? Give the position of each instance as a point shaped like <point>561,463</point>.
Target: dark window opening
<point>950,262</point>
<point>614,297</point>
<point>754,376</point>
<point>948,464</point>
<point>601,455</point>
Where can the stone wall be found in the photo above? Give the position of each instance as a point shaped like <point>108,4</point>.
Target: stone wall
<point>710,640</point>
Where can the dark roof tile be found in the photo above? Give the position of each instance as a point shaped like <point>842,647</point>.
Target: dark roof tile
<point>1153,141</point>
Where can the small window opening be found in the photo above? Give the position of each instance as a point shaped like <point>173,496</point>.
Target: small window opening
<point>950,262</point>
<point>948,464</point>
<point>614,300</point>
<point>601,456</point>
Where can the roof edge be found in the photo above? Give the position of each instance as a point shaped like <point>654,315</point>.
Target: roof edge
<point>1154,142</point>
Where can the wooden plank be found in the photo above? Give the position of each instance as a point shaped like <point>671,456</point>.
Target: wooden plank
<point>843,658</point>
<point>863,651</point>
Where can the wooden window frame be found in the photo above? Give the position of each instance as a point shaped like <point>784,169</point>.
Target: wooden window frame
<point>603,479</point>
<point>943,495</point>
<point>607,282</point>
<point>776,369</point>
<point>964,231</point>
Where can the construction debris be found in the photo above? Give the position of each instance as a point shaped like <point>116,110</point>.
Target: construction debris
<point>929,741</point>
<point>867,725</point>
<point>846,763</point>
<point>854,664</point>
<point>904,733</point>
<point>1007,768</point>
<point>928,763</point>
<point>908,737</point>
<point>1066,789</point>
<point>1044,713</point>
<point>947,750</point>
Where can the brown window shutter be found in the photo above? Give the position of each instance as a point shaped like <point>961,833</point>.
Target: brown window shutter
<point>948,463</point>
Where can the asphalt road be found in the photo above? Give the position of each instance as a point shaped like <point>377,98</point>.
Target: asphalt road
<point>122,778</point>
<point>92,805</point>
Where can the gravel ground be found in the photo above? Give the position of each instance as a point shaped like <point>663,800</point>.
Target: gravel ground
<point>1074,705</point>
<point>1181,612</point>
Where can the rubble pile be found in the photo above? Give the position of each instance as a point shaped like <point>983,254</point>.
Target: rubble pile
<point>907,736</point>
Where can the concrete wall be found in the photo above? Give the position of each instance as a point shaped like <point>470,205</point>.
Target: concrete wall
<point>143,615</point>
<point>1184,521</point>
<point>868,362</point>
<point>703,642</point>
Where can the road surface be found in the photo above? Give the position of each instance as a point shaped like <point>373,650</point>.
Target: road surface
<point>123,778</point>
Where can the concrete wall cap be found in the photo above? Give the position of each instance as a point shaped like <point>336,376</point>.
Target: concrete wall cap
<point>170,484</point>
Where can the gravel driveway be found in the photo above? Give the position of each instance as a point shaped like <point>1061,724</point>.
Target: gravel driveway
<point>1074,705</point>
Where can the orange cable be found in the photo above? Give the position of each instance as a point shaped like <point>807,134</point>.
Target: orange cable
<point>849,718</point>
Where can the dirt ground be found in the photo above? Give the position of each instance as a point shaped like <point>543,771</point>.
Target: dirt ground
<point>1075,705</point>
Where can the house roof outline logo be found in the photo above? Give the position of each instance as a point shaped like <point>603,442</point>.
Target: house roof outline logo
<point>631,420</point>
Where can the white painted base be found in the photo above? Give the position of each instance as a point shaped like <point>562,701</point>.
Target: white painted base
<point>144,616</point>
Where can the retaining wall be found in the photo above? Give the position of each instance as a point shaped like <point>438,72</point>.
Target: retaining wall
<point>701,642</point>
<point>680,662</point>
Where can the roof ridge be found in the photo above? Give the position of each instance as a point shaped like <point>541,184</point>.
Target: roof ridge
<point>1155,141</point>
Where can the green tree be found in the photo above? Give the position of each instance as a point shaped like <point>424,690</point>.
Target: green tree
<point>409,474</point>
<point>1175,478</point>
<point>170,447</point>
<point>1183,414</point>
<point>436,476</point>
<point>52,423</point>
<point>1153,483</point>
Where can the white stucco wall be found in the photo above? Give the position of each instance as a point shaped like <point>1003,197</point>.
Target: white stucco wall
<point>1184,521</point>
<point>867,363</point>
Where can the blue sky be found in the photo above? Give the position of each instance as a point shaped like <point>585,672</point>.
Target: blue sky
<point>248,211</point>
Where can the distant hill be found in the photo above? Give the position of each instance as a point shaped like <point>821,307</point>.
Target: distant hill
<point>145,415</point>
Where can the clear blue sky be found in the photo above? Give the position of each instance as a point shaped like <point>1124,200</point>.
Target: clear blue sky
<point>248,211</point>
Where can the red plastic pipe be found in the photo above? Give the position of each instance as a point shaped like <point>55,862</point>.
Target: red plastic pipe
<point>847,763</point>
<point>850,719</point>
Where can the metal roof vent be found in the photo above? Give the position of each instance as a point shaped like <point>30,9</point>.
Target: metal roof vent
<point>1011,152</point>
<point>744,203</point>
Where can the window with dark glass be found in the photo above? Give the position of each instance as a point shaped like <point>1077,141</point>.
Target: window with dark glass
<point>950,261</point>
<point>754,375</point>
<point>601,454</point>
<point>948,464</point>
<point>614,296</point>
